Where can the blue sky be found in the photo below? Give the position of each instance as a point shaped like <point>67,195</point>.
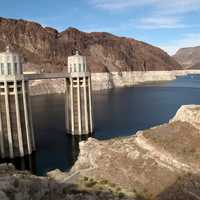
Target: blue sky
<point>169,24</point>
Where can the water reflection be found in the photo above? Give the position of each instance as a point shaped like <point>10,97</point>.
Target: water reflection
<point>32,163</point>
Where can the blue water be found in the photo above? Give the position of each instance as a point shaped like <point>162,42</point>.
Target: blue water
<point>117,112</point>
<point>121,112</point>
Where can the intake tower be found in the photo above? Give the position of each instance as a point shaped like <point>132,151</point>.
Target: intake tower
<point>16,130</point>
<point>79,120</point>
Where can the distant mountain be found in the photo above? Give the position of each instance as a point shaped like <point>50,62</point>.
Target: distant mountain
<point>48,49</point>
<point>188,57</point>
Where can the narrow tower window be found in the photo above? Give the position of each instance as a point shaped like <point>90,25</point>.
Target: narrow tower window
<point>84,67</point>
<point>15,68</point>
<point>2,68</point>
<point>20,68</point>
<point>9,68</point>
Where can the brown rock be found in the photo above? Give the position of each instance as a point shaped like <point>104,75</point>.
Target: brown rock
<point>188,57</point>
<point>157,163</point>
<point>46,48</point>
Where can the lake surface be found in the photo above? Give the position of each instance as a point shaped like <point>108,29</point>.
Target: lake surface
<point>117,112</point>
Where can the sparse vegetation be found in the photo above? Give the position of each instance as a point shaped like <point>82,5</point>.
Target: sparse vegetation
<point>85,178</point>
<point>104,182</point>
<point>90,183</point>
<point>121,195</point>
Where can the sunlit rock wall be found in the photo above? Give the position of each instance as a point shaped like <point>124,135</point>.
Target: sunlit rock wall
<point>102,81</point>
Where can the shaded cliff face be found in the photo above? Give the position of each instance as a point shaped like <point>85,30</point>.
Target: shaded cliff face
<point>188,57</point>
<point>48,49</point>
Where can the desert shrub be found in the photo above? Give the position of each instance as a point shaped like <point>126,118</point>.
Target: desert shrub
<point>104,182</point>
<point>112,185</point>
<point>85,178</point>
<point>121,195</point>
<point>91,183</point>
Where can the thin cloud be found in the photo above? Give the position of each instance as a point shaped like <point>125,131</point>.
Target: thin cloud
<point>162,14</point>
<point>161,22</point>
<point>169,6</point>
<point>119,4</point>
<point>177,6</point>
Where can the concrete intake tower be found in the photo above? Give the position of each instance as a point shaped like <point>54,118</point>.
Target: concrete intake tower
<point>79,120</point>
<point>16,130</point>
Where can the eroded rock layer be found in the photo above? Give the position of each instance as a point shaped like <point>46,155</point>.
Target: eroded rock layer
<point>151,162</point>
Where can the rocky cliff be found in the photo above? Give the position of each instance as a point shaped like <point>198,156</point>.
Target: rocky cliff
<point>188,57</point>
<point>47,49</point>
<point>21,185</point>
<point>160,163</point>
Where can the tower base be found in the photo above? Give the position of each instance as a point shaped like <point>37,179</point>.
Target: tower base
<point>78,111</point>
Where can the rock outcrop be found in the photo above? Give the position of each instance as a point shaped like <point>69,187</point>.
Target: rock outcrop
<point>188,57</point>
<point>154,163</point>
<point>47,49</point>
<point>21,185</point>
<point>189,114</point>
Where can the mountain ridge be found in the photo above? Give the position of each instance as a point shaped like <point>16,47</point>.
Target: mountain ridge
<point>46,48</point>
<point>188,57</point>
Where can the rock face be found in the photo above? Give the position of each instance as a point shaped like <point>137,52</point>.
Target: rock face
<point>102,81</point>
<point>46,49</point>
<point>188,57</point>
<point>21,185</point>
<point>189,114</point>
<point>159,163</point>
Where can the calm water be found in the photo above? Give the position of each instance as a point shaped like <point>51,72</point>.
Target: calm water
<point>117,112</point>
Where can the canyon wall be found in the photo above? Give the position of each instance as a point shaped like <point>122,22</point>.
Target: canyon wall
<point>188,57</point>
<point>159,163</point>
<point>46,49</point>
<point>102,81</point>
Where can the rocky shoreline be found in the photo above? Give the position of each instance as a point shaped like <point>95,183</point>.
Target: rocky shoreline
<point>161,163</point>
<point>102,81</point>
<point>150,162</point>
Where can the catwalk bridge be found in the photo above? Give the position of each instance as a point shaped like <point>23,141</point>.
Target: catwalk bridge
<point>31,77</point>
<point>17,136</point>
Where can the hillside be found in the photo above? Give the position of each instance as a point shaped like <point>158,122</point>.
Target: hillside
<point>160,163</point>
<point>47,49</point>
<point>188,57</point>
<point>196,66</point>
